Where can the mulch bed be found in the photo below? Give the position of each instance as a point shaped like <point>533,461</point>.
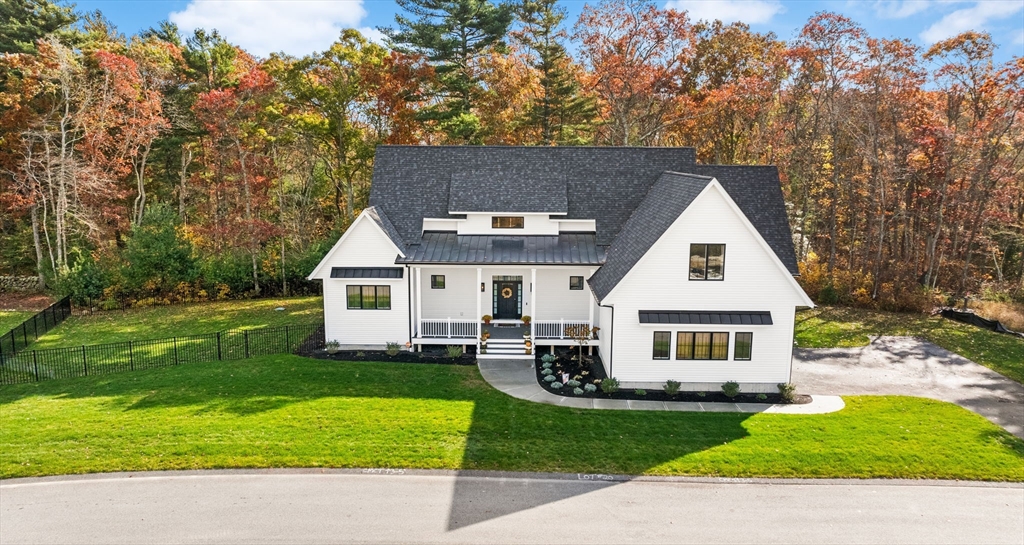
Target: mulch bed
<point>591,371</point>
<point>437,357</point>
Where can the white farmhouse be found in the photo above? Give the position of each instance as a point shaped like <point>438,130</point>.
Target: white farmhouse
<point>686,270</point>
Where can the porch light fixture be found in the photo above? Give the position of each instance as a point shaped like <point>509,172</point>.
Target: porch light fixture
<point>481,287</point>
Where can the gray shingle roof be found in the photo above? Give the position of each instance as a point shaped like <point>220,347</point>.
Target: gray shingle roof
<point>603,183</point>
<point>378,216</point>
<point>447,247</point>
<point>502,189</point>
<point>705,317</point>
<point>606,184</point>
<point>669,197</point>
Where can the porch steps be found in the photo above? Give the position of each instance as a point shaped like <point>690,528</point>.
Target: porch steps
<point>505,349</point>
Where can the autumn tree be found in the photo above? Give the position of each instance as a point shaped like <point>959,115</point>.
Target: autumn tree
<point>25,22</point>
<point>638,54</point>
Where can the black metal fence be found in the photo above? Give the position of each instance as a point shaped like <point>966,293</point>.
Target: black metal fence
<point>100,359</point>
<point>31,329</point>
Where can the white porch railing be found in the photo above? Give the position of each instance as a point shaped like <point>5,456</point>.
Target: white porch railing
<point>556,329</point>
<point>448,328</point>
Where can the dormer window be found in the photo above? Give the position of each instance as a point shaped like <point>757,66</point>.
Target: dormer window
<point>506,222</point>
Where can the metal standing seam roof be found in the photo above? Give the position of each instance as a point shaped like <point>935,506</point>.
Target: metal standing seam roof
<point>705,317</point>
<point>366,272</point>
<point>449,247</point>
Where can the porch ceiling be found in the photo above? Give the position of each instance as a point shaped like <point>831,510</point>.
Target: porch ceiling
<point>564,249</point>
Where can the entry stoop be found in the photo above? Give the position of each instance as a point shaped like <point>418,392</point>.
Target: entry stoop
<point>505,349</point>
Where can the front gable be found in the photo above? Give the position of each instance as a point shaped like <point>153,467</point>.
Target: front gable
<point>753,271</point>
<point>364,244</point>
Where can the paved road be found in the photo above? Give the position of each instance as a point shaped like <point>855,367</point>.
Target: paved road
<point>910,366</point>
<point>306,507</point>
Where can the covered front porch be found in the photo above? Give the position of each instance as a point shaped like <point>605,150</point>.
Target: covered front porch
<point>543,305</point>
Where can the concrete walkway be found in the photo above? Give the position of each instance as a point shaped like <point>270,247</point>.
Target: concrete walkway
<point>912,367</point>
<point>518,378</point>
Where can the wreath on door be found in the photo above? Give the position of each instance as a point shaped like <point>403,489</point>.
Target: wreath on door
<point>506,293</point>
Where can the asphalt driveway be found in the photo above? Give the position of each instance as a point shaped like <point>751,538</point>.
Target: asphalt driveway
<point>913,367</point>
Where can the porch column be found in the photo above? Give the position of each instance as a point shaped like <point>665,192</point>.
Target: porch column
<point>419,303</point>
<point>479,296</point>
<point>533,303</point>
<point>591,301</point>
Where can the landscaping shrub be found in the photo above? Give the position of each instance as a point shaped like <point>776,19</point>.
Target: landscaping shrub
<point>640,392</point>
<point>672,387</point>
<point>572,383</point>
<point>392,349</point>
<point>610,385</point>
<point>787,391</point>
<point>453,351</point>
<point>556,385</point>
<point>761,397</point>
<point>577,391</point>
<point>549,378</point>
<point>157,258</point>
<point>731,389</point>
<point>547,372</point>
<point>548,359</point>
<point>589,388</point>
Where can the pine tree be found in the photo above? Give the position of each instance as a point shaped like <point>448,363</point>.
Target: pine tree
<point>23,22</point>
<point>452,35</point>
<point>563,113</point>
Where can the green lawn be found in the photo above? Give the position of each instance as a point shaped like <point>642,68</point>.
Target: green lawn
<point>287,411</point>
<point>181,320</point>
<point>825,327</point>
<point>12,318</point>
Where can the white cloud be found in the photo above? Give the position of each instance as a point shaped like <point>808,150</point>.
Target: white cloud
<point>976,17</point>
<point>900,9</point>
<point>729,11</point>
<point>261,27</point>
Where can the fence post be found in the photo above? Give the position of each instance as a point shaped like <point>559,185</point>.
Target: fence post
<point>287,341</point>
<point>24,333</point>
<point>175,341</point>
<point>85,361</point>
<point>246,332</point>
<point>218,346</point>
<point>561,329</point>
<point>35,365</point>
<point>449,327</point>
<point>131,356</point>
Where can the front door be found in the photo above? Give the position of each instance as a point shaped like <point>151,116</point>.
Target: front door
<point>508,297</point>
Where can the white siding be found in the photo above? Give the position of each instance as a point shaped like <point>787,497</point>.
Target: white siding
<point>554,298</point>
<point>533,224</point>
<point>364,245</point>
<point>753,282</point>
<point>458,298</point>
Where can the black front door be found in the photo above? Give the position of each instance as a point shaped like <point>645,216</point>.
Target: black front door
<point>507,300</point>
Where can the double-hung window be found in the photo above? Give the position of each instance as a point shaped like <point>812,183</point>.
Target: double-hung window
<point>662,343</point>
<point>369,297</point>
<point>707,261</point>
<point>743,346</point>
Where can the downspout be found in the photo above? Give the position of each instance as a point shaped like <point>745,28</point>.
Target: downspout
<point>408,289</point>
<point>611,341</point>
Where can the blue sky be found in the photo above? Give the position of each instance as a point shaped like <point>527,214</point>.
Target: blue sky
<point>299,27</point>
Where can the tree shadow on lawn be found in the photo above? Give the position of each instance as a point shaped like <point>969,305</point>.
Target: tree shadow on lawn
<point>504,433</point>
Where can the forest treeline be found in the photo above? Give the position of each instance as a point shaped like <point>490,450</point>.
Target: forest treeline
<point>165,167</point>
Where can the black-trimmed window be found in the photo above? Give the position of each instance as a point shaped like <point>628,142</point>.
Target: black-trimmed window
<point>575,282</point>
<point>702,345</point>
<point>707,261</point>
<point>743,346</point>
<point>437,281</point>
<point>506,222</point>
<point>369,297</point>
<point>662,343</point>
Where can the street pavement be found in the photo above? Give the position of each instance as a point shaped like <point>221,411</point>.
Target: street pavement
<point>396,506</point>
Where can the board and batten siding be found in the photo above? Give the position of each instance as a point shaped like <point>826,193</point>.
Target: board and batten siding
<point>659,281</point>
<point>364,245</point>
